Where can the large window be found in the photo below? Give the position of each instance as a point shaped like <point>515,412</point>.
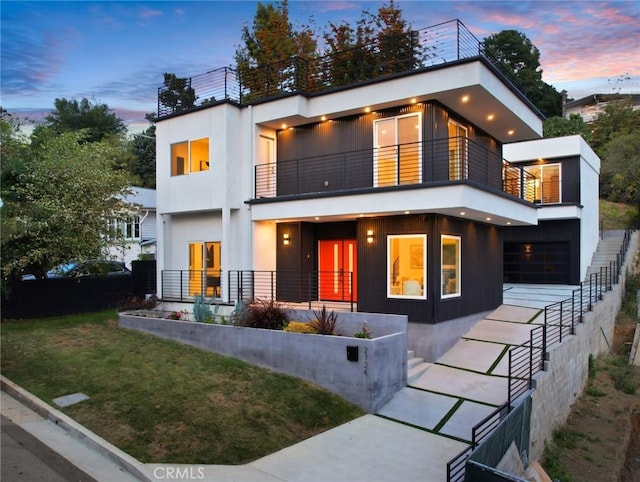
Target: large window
<point>450,259</point>
<point>397,150</point>
<point>547,182</point>
<point>129,228</point>
<point>189,156</point>
<point>406,266</point>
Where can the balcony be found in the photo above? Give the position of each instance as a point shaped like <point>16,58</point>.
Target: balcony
<point>421,49</point>
<point>455,159</point>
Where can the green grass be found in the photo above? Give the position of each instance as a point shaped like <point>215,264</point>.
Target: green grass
<point>162,401</point>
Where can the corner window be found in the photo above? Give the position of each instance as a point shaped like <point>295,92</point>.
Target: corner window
<point>189,156</point>
<point>547,182</point>
<point>450,259</point>
<point>406,266</point>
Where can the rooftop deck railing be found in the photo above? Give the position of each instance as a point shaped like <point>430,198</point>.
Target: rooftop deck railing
<point>432,46</point>
<point>442,160</point>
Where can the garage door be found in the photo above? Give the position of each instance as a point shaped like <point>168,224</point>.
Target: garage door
<point>536,263</point>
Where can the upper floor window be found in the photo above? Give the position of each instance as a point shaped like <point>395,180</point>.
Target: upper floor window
<point>189,156</point>
<point>547,182</point>
<point>397,150</point>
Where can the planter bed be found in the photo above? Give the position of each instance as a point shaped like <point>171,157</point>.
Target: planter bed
<point>367,372</point>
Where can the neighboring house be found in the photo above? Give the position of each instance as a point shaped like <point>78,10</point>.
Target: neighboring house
<point>591,106</point>
<point>138,229</point>
<point>389,194</point>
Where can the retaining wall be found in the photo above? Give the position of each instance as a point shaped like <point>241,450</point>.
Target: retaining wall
<point>567,368</point>
<point>369,381</point>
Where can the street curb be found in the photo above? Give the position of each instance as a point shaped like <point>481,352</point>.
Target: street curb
<point>77,431</point>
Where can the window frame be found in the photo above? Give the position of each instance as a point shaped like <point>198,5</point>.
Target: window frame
<point>394,290</point>
<point>457,267</point>
<point>184,164</point>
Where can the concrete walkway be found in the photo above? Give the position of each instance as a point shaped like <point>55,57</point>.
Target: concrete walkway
<point>411,438</point>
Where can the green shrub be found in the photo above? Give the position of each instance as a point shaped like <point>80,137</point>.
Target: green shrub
<point>300,327</point>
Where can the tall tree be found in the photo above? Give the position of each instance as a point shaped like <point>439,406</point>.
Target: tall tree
<point>381,43</point>
<point>144,147</point>
<point>621,169</point>
<point>267,61</point>
<point>96,119</point>
<point>520,58</point>
<point>176,94</point>
<point>58,204</point>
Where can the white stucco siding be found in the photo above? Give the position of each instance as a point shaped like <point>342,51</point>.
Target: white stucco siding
<point>187,229</point>
<point>225,183</point>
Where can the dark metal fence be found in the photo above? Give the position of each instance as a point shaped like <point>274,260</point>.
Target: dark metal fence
<point>528,359</point>
<point>442,160</point>
<point>432,46</point>
<point>312,289</point>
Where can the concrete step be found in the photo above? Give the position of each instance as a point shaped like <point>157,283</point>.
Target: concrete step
<point>413,362</point>
<point>410,354</point>
<point>416,372</point>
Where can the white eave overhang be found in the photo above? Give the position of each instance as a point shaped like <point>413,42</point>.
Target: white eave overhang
<point>460,200</point>
<point>469,88</point>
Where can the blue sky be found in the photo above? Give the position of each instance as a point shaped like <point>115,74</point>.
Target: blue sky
<point>115,52</point>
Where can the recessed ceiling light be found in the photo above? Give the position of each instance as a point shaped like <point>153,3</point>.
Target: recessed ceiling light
<point>367,109</point>
<point>316,218</point>
<point>511,132</point>
<point>488,219</point>
<point>414,100</point>
<point>323,118</point>
<point>490,117</point>
<point>462,213</point>
<point>284,126</point>
<point>509,223</point>
<point>407,212</point>
<point>465,98</point>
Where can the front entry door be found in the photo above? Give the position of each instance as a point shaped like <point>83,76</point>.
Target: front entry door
<point>337,262</point>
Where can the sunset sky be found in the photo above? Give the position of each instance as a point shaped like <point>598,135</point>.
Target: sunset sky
<point>116,52</point>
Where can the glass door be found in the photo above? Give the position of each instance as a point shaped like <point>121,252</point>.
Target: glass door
<point>458,156</point>
<point>397,150</point>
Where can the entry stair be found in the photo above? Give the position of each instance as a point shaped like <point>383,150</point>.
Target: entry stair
<point>608,247</point>
<point>415,366</point>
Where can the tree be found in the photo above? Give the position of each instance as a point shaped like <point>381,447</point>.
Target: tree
<point>621,171</point>
<point>380,44</point>
<point>177,93</point>
<point>267,62</point>
<point>58,205</point>
<point>521,59</point>
<point>618,118</point>
<point>144,148</point>
<point>97,120</point>
<point>561,126</point>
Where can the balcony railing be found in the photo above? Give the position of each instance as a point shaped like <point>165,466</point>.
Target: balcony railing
<point>432,46</point>
<point>184,285</point>
<point>439,161</point>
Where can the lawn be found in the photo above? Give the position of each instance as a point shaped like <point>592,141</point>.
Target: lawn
<point>162,401</point>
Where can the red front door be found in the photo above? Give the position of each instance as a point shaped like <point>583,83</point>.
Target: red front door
<point>338,263</point>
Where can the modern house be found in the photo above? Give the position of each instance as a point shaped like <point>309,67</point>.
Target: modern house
<point>138,229</point>
<point>388,194</point>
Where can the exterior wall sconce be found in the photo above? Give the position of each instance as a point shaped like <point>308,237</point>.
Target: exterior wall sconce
<point>285,239</point>
<point>369,236</point>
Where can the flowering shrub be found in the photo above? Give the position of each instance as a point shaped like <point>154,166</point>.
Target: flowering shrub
<point>364,332</point>
<point>178,315</point>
